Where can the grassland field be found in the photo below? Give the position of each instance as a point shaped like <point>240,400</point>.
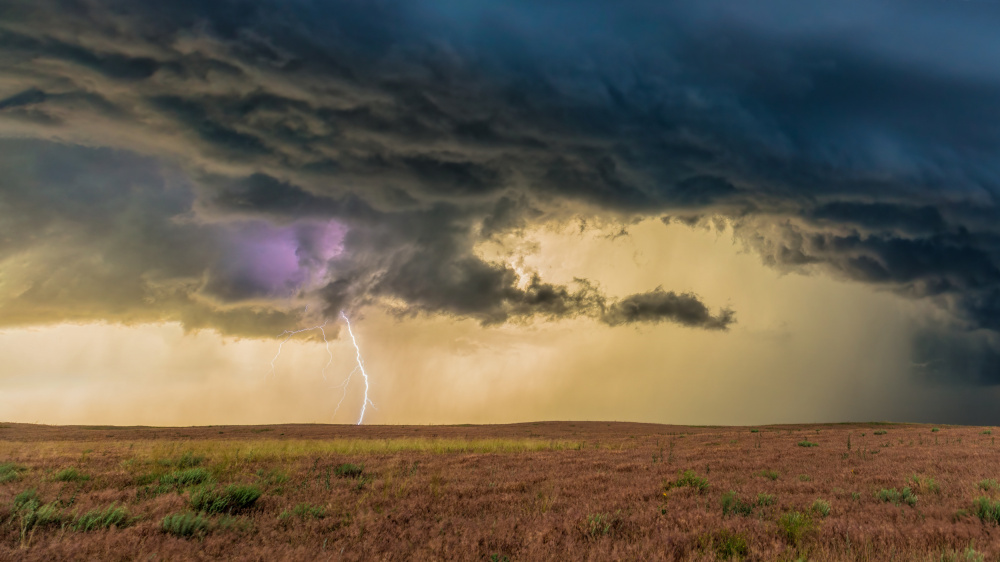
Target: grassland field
<point>533,491</point>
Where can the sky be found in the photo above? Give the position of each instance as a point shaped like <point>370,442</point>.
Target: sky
<point>719,212</point>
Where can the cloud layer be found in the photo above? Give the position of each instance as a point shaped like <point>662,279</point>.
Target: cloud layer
<point>223,163</point>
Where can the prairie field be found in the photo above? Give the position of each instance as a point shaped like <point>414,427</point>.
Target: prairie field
<point>531,491</point>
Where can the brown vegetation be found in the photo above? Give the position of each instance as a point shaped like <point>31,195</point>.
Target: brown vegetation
<point>538,491</point>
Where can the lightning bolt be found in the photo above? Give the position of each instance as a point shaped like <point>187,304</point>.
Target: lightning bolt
<point>347,381</point>
<point>288,335</point>
<point>361,367</point>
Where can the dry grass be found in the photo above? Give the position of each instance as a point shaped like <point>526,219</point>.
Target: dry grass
<point>590,491</point>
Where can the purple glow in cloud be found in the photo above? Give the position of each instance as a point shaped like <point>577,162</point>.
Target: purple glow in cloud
<point>264,260</point>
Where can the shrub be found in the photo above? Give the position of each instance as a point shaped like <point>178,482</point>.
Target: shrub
<point>880,432</point>
<point>348,470</point>
<point>689,479</point>
<point>97,519</point>
<point>754,431</point>
<point>987,432</point>
<point>935,430</point>
<point>233,498</point>
<point>70,475</point>
<point>184,524</point>
<point>769,474</point>
<point>188,477</point>
<point>986,509</point>
<point>731,504</point>
<point>793,526</point>
<point>10,472</point>
<point>764,500</point>
<point>807,444</point>
<point>821,507</point>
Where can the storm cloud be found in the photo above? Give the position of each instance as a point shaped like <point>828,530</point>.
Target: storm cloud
<point>857,139</point>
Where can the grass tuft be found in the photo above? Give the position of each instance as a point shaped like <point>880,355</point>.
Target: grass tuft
<point>987,510</point>
<point>769,474</point>
<point>187,477</point>
<point>348,470</point>
<point>821,507</point>
<point>185,525</point>
<point>793,526</point>
<point>725,544</point>
<point>896,497</point>
<point>597,525</point>
<point>10,472</point>
<point>97,519</point>
<point>988,484</point>
<point>688,479</point>
<point>764,500</point>
<point>70,475</point>
<point>733,505</point>
<point>807,444</point>
<point>233,498</point>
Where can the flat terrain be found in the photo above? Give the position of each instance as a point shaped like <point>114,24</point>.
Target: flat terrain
<point>533,491</point>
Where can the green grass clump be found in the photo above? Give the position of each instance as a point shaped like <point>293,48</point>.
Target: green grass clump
<point>303,511</point>
<point>733,505</point>
<point>935,430</point>
<point>307,511</point>
<point>273,477</point>
<point>186,477</point>
<point>896,497</point>
<point>821,507</point>
<point>925,484</point>
<point>754,431</point>
<point>807,444</point>
<point>793,526</point>
<point>27,509</point>
<point>10,472</point>
<point>187,460</point>
<point>987,432</point>
<point>967,555</point>
<point>597,525</point>
<point>726,544</point>
<point>764,500</point>
<point>769,474</point>
<point>185,525</point>
<point>97,519</point>
<point>348,470</point>
<point>805,478</point>
<point>688,479</point>
<point>988,484</point>
<point>988,510</point>
<point>233,498</point>
<point>70,475</point>
<point>880,432</point>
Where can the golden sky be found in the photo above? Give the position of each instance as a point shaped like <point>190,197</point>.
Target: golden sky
<point>805,348</point>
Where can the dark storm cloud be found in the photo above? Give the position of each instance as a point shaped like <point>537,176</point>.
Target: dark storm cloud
<point>857,137</point>
<point>660,305</point>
